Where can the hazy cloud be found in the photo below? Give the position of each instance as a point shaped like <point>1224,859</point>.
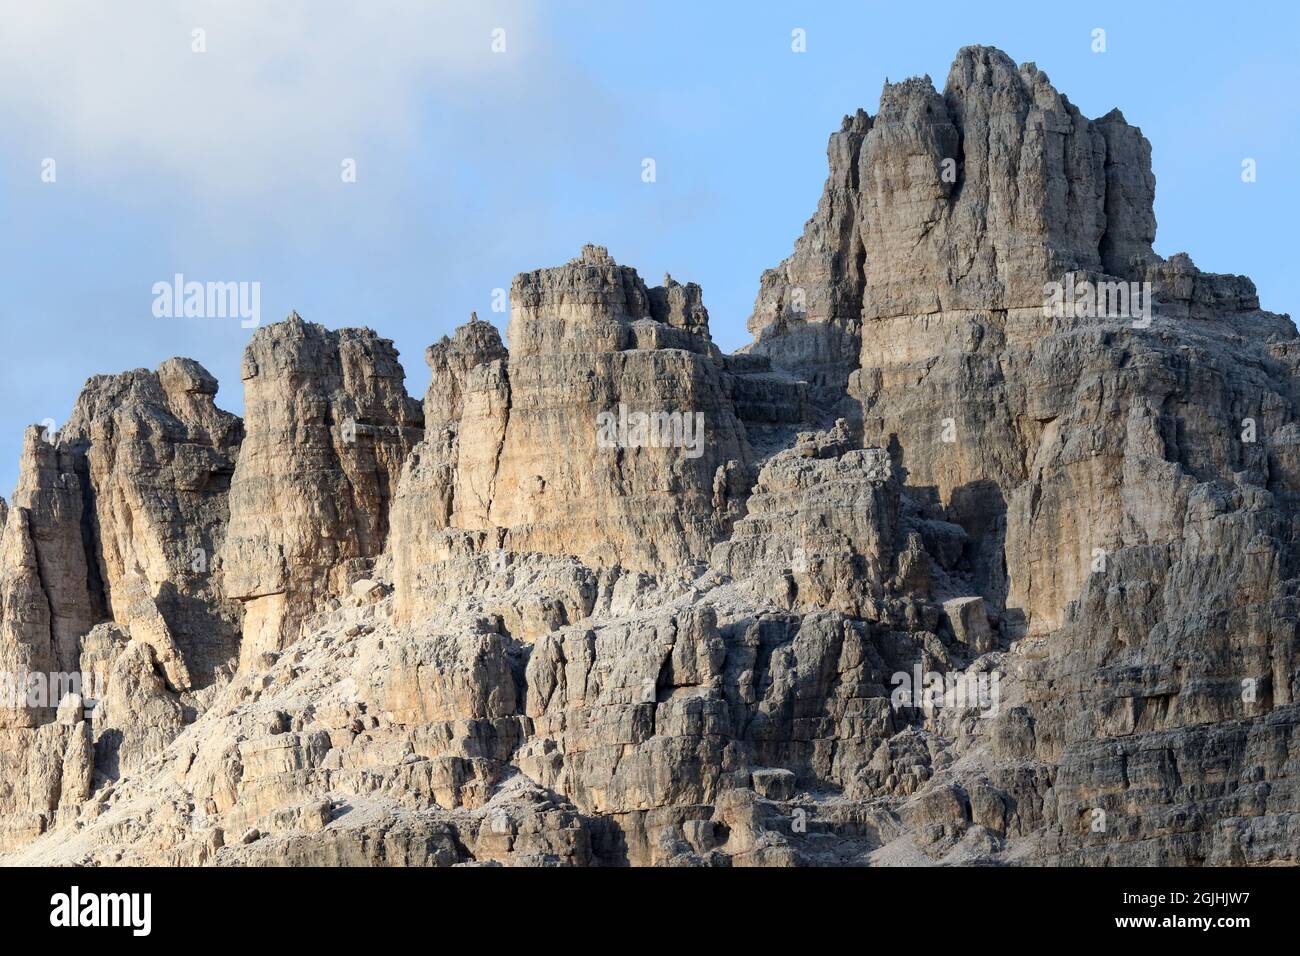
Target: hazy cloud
<point>118,95</point>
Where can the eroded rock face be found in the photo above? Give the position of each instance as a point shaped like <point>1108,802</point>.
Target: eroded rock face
<point>953,577</point>
<point>158,457</point>
<point>612,431</point>
<point>808,314</point>
<point>26,642</point>
<point>108,517</point>
<point>426,491</point>
<point>591,347</point>
<point>48,511</point>
<point>823,525</point>
<point>1103,468</point>
<point>451,360</point>
<point>328,425</point>
<point>46,605</point>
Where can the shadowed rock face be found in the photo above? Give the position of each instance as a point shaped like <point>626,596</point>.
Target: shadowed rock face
<point>950,576</point>
<point>808,314</point>
<point>158,457</point>
<point>119,515</point>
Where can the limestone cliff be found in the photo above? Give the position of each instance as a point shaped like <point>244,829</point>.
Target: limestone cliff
<point>328,424</point>
<point>986,550</point>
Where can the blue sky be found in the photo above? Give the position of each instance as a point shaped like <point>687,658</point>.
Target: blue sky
<point>474,165</point>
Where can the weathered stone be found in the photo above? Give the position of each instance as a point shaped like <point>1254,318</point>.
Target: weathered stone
<point>773,783</point>
<point>953,576</point>
<point>328,425</point>
<point>156,456</point>
<point>970,623</point>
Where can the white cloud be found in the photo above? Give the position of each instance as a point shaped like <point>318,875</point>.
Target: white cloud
<point>115,90</point>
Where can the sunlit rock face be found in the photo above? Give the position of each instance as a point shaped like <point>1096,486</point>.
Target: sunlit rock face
<point>984,551</point>
<point>613,430</point>
<point>328,424</point>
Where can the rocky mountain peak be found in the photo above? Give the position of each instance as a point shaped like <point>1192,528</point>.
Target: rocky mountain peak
<point>946,565</point>
<point>973,198</point>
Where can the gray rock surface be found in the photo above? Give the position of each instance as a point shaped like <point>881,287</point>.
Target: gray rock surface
<point>328,425</point>
<point>954,578</point>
